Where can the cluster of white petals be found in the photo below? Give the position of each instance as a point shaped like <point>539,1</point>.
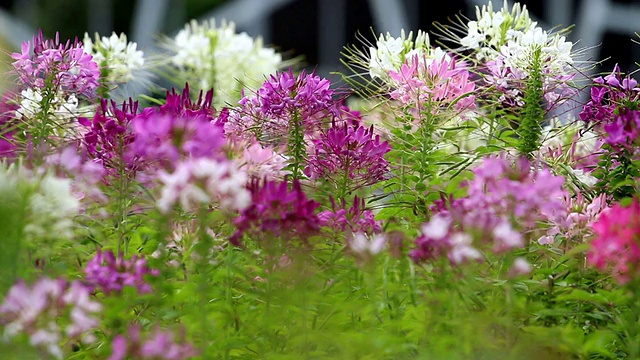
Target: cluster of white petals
<point>391,52</point>
<point>116,56</point>
<point>207,56</point>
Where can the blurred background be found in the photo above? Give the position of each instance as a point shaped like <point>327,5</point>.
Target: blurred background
<point>316,30</point>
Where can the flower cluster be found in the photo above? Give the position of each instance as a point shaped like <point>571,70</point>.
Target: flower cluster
<point>283,99</point>
<point>355,219</point>
<point>159,345</point>
<point>56,67</point>
<point>502,199</point>
<point>612,108</point>
<point>278,211</point>
<point>390,53</point>
<point>208,56</point>
<point>349,157</point>
<point>617,242</point>
<point>110,274</point>
<point>118,59</point>
<point>493,29</point>
<point>108,134</point>
<point>433,83</point>
<point>201,181</point>
<point>39,310</point>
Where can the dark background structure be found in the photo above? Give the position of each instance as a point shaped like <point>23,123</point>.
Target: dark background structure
<point>318,29</point>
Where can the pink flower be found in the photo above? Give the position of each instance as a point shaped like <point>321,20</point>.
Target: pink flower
<point>616,245</point>
<point>159,345</point>
<point>437,82</point>
<point>61,67</point>
<point>35,310</point>
<point>352,152</point>
<point>278,211</point>
<point>110,274</point>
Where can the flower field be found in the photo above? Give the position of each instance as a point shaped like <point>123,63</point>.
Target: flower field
<point>451,198</point>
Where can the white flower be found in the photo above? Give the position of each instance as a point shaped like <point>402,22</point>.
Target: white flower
<point>52,208</point>
<point>390,53</point>
<point>520,267</point>
<point>461,249</point>
<point>208,57</point>
<point>438,227</point>
<point>493,29</point>
<point>204,181</point>
<point>364,246</point>
<point>119,57</point>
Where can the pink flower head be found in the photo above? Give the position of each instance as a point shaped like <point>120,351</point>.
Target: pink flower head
<point>616,245</point>
<point>438,82</point>
<point>159,345</point>
<point>111,274</point>
<point>57,66</point>
<point>351,151</point>
<point>35,310</point>
<point>279,211</point>
<point>282,100</point>
<point>356,219</point>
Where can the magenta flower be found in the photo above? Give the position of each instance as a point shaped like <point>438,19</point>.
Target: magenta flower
<point>353,220</point>
<point>278,211</point>
<point>159,345</point>
<point>52,65</point>
<point>348,152</point>
<point>36,310</point>
<point>613,109</point>
<point>282,100</point>
<point>616,245</point>
<point>110,274</point>
<point>109,135</point>
<point>181,105</point>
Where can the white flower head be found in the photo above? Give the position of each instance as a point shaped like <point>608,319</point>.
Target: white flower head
<point>493,29</point>
<point>391,52</point>
<point>118,57</point>
<point>209,56</point>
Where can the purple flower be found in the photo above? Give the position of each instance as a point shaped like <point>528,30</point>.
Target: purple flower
<point>109,134</point>
<point>504,200</point>
<point>35,311</point>
<point>160,344</point>
<point>353,152</point>
<point>59,67</point>
<point>353,220</point>
<point>281,100</point>
<point>110,274</point>
<point>279,211</point>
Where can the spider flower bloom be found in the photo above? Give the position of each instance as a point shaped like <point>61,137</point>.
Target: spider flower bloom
<point>436,82</point>
<point>111,274</point>
<point>439,239</point>
<point>509,70</point>
<point>211,56</point>
<point>282,100</point>
<point>117,57</point>
<point>35,310</point>
<point>612,109</point>
<point>108,134</point>
<point>279,211</point>
<point>616,245</point>
<point>49,65</point>
<point>201,181</point>
<point>348,152</point>
<point>353,220</point>
<point>160,344</point>
<point>492,29</point>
